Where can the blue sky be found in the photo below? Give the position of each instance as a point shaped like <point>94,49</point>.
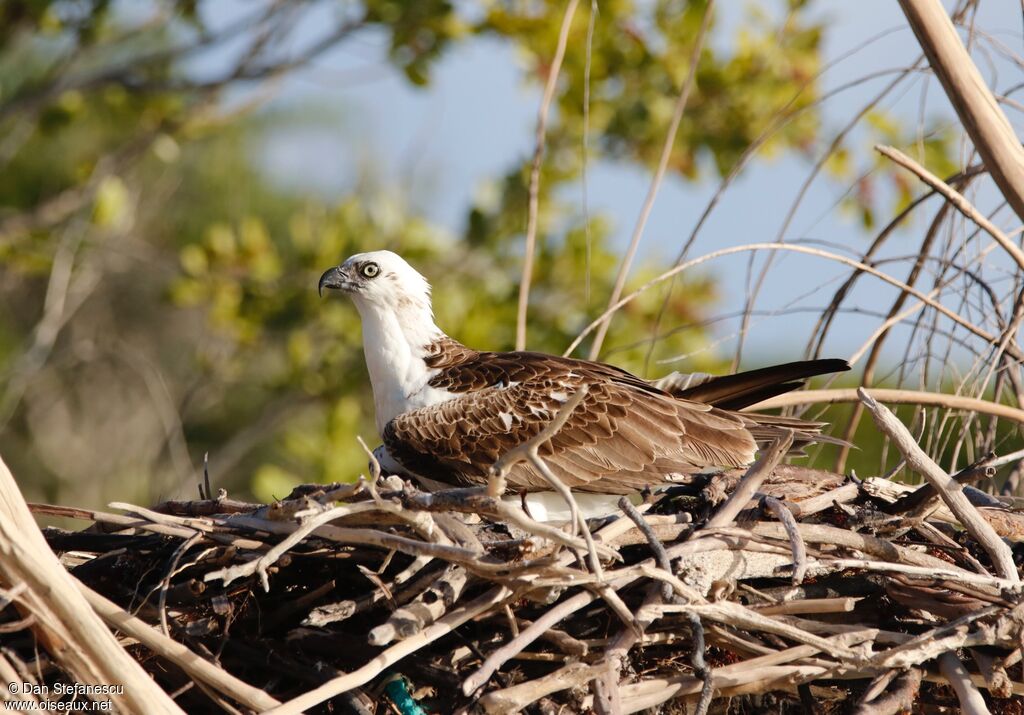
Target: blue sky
<point>476,118</point>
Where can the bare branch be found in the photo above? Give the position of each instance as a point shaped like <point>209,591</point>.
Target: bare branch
<point>948,489</point>
<point>991,132</point>
<point>659,175</point>
<point>538,156</point>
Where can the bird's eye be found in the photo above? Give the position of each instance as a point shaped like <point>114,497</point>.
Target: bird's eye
<point>370,270</point>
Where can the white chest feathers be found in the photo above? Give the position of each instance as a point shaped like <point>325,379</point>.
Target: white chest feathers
<point>394,398</point>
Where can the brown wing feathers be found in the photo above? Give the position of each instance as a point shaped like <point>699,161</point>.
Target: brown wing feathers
<point>624,435</point>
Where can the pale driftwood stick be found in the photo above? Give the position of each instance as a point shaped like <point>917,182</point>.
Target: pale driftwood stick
<point>203,524</point>
<point>375,470</point>
<point>751,481</point>
<point>654,691</point>
<point>118,520</point>
<point>897,397</point>
<point>607,593</point>
<point>976,678</point>
<point>217,700</point>
<point>1007,458</point>
<point>375,537</point>
<point>991,133</point>
<point>342,610</point>
<point>811,533</point>
<point>996,678</point>
<point>165,647</point>
<point>853,636</point>
<point>688,593</point>
<point>809,605</point>
<point>872,545</point>
<point>878,685</point>
<point>560,639</point>
<point>885,660</point>
<point>734,614</point>
<point>785,517</point>
<point>527,636</point>
<point>1007,523</point>
<point>841,495</point>
<point>949,490</point>
<point>260,565</point>
<point>73,633</point>
<point>387,658</point>
<point>10,674</point>
<point>937,537</point>
<point>605,686</point>
<point>949,636</point>
<point>514,699</point>
<point>660,690</point>
<point>927,572</point>
<point>552,616</point>
<point>971,701</point>
<point>543,657</point>
<point>412,618</point>
<point>899,698</point>
<point>799,652</point>
<point>607,699</point>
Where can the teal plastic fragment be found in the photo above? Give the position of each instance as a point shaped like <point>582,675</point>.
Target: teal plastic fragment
<point>397,688</point>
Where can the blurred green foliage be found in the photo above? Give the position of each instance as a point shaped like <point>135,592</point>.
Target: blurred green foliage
<point>158,288</point>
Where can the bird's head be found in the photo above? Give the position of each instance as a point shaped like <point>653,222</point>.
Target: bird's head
<point>380,279</point>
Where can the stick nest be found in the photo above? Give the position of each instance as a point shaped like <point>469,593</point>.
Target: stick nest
<point>820,591</point>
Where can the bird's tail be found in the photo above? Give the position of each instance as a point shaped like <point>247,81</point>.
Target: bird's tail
<point>768,428</point>
<point>744,389</point>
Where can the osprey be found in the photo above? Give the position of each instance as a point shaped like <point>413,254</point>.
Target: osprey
<point>446,412</point>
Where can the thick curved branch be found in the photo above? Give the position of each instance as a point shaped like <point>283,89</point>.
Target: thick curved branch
<point>899,397</point>
<point>978,110</point>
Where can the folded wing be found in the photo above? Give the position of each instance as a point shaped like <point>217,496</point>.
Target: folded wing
<point>619,439</point>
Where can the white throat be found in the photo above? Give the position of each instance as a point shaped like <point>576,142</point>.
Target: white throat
<point>394,343</point>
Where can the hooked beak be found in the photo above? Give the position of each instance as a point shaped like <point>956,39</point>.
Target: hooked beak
<point>335,279</point>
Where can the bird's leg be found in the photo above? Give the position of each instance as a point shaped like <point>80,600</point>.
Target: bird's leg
<point>522,501</point>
